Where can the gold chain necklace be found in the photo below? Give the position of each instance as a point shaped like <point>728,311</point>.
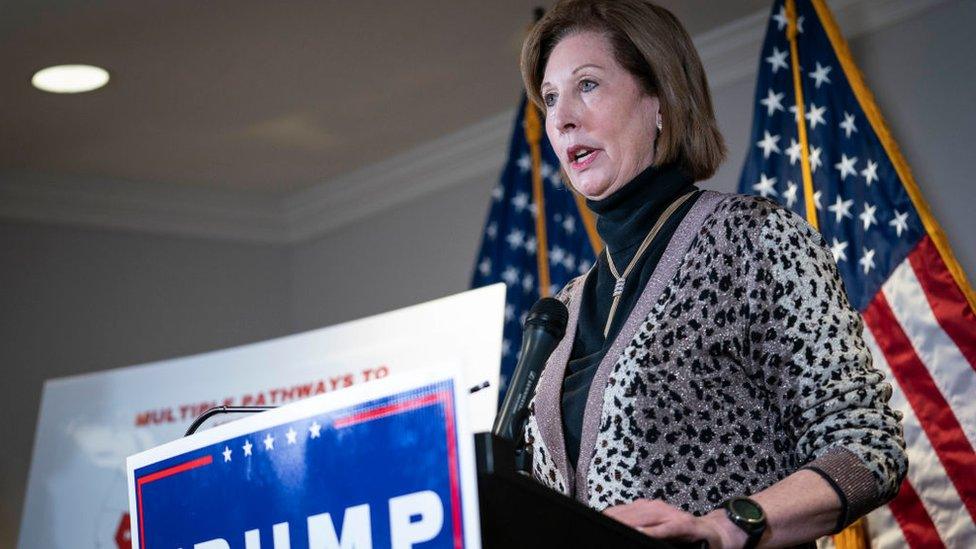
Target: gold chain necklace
<point>621,279</point>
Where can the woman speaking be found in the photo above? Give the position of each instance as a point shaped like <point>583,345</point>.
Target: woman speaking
<point>712,383</point>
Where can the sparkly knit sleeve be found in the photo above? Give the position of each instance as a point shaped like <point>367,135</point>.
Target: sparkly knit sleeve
<point>832,401</point>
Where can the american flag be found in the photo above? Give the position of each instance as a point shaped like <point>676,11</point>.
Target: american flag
<point>897,267</point>
<point>533,257</point>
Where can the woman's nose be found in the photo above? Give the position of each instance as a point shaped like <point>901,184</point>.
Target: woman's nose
<point>565,115</point>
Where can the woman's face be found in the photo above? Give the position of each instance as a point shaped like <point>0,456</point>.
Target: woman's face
<point>600,122</point>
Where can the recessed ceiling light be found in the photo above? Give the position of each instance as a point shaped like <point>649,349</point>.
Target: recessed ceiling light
<point>70,78</point>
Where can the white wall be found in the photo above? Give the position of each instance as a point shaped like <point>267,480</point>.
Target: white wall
<point>76,300</point>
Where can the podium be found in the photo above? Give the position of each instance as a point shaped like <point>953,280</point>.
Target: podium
<point>517,511</point>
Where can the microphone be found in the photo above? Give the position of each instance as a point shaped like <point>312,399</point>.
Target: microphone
<point>544,327</point>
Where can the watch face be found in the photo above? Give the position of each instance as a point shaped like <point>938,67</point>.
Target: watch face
<point>746,509</point>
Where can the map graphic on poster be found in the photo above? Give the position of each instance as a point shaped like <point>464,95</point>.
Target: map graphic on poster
<point>88,424</point>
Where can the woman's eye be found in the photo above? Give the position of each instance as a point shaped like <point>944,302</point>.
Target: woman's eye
<point>549,99</point>
<point>587,85</point>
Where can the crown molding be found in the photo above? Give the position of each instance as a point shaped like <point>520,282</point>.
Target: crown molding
<point>729,53</point>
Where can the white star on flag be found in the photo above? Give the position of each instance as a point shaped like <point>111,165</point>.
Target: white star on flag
<point>491,231</point>
<point>530,245</point>
<point>569,225</point>
<point>584,266</point>
<point>820,75</point>
<point>815,115</point>
<point>765,185</point>
<point>781,19</point>
<point>867,216</point>
<point>485,267</point>
<point>790,194</point>
<point>497,193</point>
<point>506,347</point>
<point>524,163</point>
<point>867,260</point>
<point>556,179</point>
<point>870,173</point>
<point>556,255</point>
<point>515,239</point>
<point>509,312</point>
<point>510,276</point>
<point>528,282</point>
<point>247,447</point>
<point>838,250</point>
<point>900,222</point>
<point>291,435</point>
<point>521,201</point>
<point>314,429</point>
<point>816,200</point>
<point>268,442</point>
<point>227,452</point>
<point>815,161</point>
<point>846,166</point>
<point>794,151</point>
<point>768,144</point>
<point>848,124</point>
<point>569,262</point>
<point>777,60</point>
<point>773,102</point>
<point>841,208</point>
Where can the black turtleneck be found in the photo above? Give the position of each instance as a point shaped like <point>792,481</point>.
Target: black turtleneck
<point>623,220</point>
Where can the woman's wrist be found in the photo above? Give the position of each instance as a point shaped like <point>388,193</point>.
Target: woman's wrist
<point>732,536</point>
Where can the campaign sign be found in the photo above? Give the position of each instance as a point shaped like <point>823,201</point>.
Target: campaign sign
<point>385,464</point>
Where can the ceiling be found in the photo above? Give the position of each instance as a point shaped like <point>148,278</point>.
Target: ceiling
<point>268,97</point>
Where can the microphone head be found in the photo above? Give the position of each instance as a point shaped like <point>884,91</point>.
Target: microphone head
<point>551,314</point>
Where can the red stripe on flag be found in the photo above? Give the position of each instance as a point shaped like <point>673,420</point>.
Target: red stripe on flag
<point>933,412</point>
<point>951,309</point>
<point>915,523</point>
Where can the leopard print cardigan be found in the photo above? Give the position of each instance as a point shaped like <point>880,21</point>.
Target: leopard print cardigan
<point>741,362</point>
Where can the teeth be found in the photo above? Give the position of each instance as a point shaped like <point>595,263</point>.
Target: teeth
<point>582,153</point>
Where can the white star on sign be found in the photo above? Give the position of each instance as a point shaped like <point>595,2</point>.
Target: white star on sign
<point>841,208</point>
<point>867,260</point>
<point>900,222</point>
<point>515,239</point>
<point>848,124</point>
<point>247,447</point>
<point>227,452</point>
<point>870,173</point>
<point>815,115</point>
<point>790,194</point>
<point>768,144</point>
<point>777,60</point>
<point>314,429</point>
<point>521,201</point>
<point>781,19</point>
<point>765,185</point>
<point>820,75</point>
<point>773,102</point>
<point>794,151</point>
<point>846,166</point>
<point>291,435</point>
<point>268,442</point>
<point>867,216</point>
<point>838,251</point>
<point>815,161</point>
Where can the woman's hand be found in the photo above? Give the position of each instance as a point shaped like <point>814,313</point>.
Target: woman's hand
<point>660,520</point>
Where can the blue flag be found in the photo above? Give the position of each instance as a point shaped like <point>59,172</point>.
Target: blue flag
<point>510,248</point>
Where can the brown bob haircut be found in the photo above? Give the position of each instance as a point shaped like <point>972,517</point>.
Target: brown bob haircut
<point>650,43</point>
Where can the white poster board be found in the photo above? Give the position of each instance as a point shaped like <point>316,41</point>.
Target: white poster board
<point>76,495</point>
